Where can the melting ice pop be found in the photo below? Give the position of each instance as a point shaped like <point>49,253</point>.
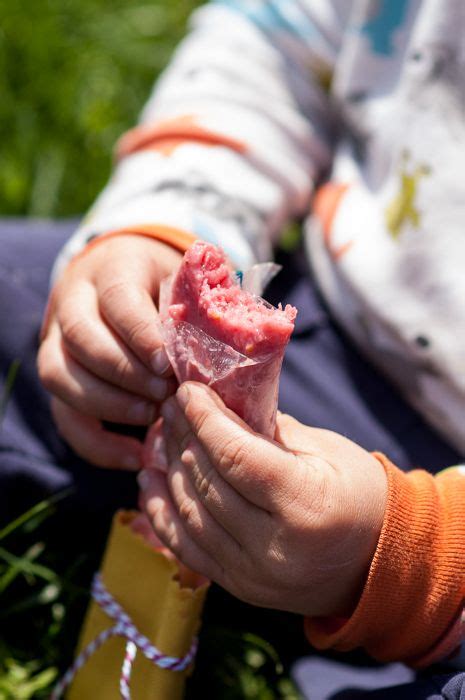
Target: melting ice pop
<point>222,335</point>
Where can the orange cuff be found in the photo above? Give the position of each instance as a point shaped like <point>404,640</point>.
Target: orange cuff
<point>166,136</point>
<point>416,584</point>
<point>175,237</point>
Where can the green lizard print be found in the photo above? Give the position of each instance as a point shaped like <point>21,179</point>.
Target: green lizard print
<point>402,208</point>
<point>322,73</point>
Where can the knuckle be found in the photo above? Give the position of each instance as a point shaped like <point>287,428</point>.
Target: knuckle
<point>73,331</point>
<point>121,371</point>
<point>137,331</point>
<point>187,457</point>
<point>168,535</point>
<point>205,485</point>
<point>166,531</point>
<point>153,513</point>
<point>188,513</point>
<point>136,325</point>
<point>113,293</point>
<point>233,453</point>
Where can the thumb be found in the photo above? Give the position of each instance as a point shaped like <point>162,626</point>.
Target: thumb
<point>255,466</point>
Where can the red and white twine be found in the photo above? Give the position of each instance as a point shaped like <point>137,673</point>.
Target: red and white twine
<point>124,627</point>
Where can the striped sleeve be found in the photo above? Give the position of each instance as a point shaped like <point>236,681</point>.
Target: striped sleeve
<point>235,133</point>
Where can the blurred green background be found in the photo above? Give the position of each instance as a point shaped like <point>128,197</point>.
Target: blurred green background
<point>73,76</point>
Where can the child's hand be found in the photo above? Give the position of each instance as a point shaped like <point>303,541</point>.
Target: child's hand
<point>101,356</point>
<point>291,526</point>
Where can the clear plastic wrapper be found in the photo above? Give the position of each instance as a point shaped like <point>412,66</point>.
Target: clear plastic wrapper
<point>247,385</point>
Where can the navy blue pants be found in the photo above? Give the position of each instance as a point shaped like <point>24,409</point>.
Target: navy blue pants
<point>325,382</point>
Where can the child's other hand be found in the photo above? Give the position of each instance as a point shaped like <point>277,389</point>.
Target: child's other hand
<point>291,526</point>
<point>101,355</point>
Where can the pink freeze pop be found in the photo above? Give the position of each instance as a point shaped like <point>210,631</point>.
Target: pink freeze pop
<point>219,334</point>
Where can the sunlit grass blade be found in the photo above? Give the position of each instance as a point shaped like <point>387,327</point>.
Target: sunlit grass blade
<point>25,565</point>
<point>265,647</point>
<point>22,682</point>
<point>45,505</point>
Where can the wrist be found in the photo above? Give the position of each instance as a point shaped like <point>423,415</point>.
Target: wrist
<point>359,532</point>
<point>416,581</point>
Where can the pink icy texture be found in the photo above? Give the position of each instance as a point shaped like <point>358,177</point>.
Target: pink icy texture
<point>205,294</point>
<point>221,335</point>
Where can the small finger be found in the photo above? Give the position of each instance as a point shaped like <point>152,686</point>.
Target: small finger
<point>240,518</point>
<point>129,308</point>
<point>92,442</point>
<point>199,523</point>
<point>76,386</point>
<point>170,528</point>
<point>92,343</point>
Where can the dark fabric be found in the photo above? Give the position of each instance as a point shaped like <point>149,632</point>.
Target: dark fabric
<point>454,686</point>
<point>34,461</point>
<point>328,679</point>
<point>325,382</point>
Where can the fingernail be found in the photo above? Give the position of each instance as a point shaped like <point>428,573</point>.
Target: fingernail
<point>141,413</point>
<point>160,361</point>
<point>144,479</point>
<point>158,388</point>
<point>131,462</point>
<point>182,395</point>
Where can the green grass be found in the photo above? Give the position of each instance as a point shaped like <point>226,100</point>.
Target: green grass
<point>39,589</point>
<point>73,76</point>
<point>44,593</point>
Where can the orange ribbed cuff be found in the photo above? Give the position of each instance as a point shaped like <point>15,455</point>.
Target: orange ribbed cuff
<point>175,237</point>
<point>416,583</point>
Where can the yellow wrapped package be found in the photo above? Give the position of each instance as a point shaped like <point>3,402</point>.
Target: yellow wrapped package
<point>142,587</point>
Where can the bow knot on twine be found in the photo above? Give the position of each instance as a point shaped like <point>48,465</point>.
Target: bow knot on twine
<point>123,627</point>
